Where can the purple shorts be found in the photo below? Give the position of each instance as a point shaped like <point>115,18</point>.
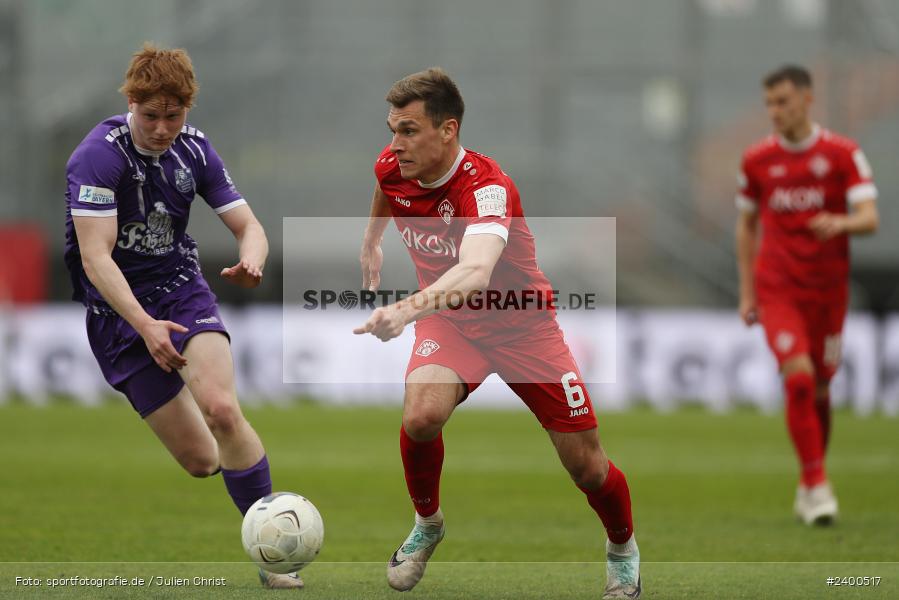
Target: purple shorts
<point>123,357</point>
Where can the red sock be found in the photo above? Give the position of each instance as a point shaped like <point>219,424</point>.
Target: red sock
<point>822,407</point>
<point>422,462</point>
<point>612,502</point>
<point>805,431</point>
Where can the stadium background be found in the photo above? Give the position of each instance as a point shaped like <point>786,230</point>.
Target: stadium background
<point>637,110</point>
<point>633,110</point>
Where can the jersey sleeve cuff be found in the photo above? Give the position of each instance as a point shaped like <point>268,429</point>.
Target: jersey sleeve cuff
<point>494,228</point>
<point>230,205</point>
<point>745,203</point>
<point>861,192</point>
<point>84,212</point>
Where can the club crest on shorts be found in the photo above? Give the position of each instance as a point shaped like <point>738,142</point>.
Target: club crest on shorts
<point>184,180</point>
<point>446,211</point>
<point>427,348</point>
<point>784,341</point>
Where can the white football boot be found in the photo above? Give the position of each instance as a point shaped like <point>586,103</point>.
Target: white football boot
<point>407,565</point>
<point>623,572</point>
<point>277,581</point>
<point>816,505</point>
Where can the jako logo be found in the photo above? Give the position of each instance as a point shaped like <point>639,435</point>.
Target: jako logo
<point>796,199</point>
<point>423,242</point>
<point>402,201</point>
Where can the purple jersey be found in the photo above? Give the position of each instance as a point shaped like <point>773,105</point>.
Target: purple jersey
<point>151,198</point>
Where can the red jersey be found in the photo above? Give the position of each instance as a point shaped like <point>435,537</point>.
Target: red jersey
<point>789,184</point>
<point>474,197</point>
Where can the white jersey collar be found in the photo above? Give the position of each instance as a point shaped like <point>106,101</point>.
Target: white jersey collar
<point>449,174</point>
<point>801,145</point>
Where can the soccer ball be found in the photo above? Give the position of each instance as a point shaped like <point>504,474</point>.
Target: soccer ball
<point>282,532</point>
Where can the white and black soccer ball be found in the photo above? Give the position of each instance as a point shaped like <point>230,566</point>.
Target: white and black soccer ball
<point>282,532</point>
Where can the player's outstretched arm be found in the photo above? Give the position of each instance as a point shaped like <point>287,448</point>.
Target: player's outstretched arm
<point>371,258</point>
<point>863,218</point>
<point>252,247</point>
<point>478,255</point>
<point>96,239</point>
<point>746,239</point>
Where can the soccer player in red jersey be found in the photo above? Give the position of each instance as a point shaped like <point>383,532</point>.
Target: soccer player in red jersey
<point>461,218</point>
<point>810,189</point>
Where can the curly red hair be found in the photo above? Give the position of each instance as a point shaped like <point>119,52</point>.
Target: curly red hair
<point>160,71</point>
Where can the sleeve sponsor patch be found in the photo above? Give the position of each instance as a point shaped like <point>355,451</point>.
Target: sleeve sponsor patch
<point>862,164</point>
<point>491,201</point>
<point>91,194</point>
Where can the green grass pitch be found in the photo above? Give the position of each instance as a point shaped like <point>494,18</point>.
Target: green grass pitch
<point>91,493</point>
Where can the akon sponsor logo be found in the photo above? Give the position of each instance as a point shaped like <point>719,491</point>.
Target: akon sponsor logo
<point>796,199</point>
<point>428,243</point>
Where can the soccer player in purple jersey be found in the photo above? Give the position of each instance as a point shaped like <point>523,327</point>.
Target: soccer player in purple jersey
<point>152,321</point>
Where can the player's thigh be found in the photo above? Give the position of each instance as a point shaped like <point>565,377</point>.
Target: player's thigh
<point>826,338</point>
<point>787,333</point>
<point>209,372</point>
<point>444,368</point>
<point>541,370</point>
<point>181,428</point>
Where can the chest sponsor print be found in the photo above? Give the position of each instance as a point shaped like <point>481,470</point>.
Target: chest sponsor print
<point>154,238</point>
<point>428,243</point>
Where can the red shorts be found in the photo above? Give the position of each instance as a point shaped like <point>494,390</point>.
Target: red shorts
<point>537,366</point>
<point>795,327</point>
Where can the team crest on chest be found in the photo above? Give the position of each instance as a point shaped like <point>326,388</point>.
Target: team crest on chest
<point>184,180</point>
<point>819,166</point>
<point>446,211</point>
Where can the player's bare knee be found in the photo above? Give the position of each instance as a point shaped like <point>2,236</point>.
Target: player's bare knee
<point>426,409</point>
<point>584,458</point>
<point>201,466</point>
<point>422,425</point>
<point>798,364</point>
<point>223,417</point>
<point>588,471</point>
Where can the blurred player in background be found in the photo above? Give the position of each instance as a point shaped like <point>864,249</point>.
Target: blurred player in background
<point>467,214</point>
<point>152,321</point>
<point>809,188</point>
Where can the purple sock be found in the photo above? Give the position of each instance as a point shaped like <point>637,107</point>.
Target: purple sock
<point>249,485</point>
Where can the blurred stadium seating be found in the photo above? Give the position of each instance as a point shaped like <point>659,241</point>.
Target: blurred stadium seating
<point>637,110</point>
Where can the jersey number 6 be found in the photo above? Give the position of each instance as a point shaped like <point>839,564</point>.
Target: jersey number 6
<point>574,393</point>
